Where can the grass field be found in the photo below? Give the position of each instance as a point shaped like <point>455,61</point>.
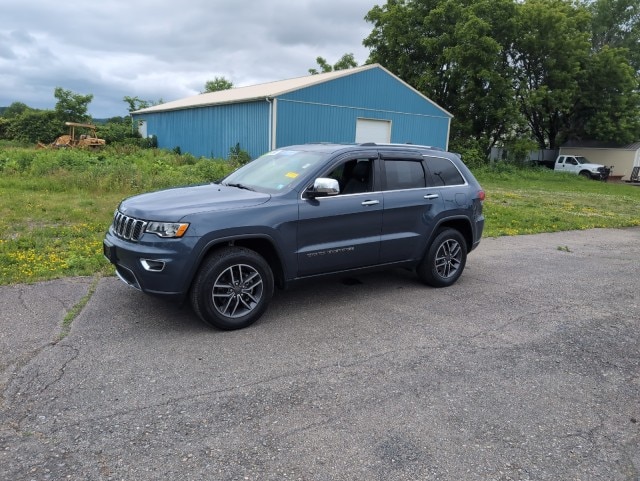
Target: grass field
<point>55,206</point>
<point>531,201</point>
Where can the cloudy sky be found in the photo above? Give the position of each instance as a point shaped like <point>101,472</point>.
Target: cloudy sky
<point>166,49</point>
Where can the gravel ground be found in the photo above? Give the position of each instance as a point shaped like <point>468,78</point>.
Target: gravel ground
<point>527,369</point>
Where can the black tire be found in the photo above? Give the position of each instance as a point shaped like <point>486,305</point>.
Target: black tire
<point>585,174</point>
<point>232,288</point>
<point>444,260</point>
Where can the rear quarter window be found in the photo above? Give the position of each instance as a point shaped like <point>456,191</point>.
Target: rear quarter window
<point>443,172</point>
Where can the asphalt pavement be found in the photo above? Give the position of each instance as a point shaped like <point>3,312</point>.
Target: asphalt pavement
<point>527,369</point>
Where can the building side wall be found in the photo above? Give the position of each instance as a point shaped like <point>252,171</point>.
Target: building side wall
<point>212,131</point>
<point>326,112</point>
<point>310,122</point>
<point>621,160</point>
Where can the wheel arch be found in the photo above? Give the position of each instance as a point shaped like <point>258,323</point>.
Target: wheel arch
<point>262,245</point>
<point>461,224</point>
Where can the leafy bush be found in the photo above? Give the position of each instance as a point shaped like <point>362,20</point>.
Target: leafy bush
<point>118,168</point>
<point>114,132</point>
<point>470,152</point>
<point>518,150</point>
<point>239,156</point>
<point>35,126</point>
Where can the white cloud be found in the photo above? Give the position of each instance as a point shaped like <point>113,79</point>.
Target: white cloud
<point>156,49</point>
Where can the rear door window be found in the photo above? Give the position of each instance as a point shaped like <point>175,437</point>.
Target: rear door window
<point>404,174</point>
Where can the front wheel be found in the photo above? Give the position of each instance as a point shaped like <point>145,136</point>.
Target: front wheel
<point>585,174</point>
<point>232,288</point>
<point>445,259</point>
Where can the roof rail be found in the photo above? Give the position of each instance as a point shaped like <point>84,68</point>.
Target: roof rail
<point>392,144</point>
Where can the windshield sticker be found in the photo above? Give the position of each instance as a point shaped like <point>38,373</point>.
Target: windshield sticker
<point>291,175</point>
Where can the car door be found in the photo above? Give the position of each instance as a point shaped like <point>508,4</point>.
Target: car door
<point>410,207</point>
<point>342,232</point>
<point>571,165</point>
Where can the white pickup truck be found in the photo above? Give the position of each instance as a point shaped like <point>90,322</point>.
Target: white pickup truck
<point>579,165</point>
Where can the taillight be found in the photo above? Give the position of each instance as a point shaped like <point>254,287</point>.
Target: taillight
<point>481,195</point>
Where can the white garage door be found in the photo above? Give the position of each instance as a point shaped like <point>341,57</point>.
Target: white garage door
<point>370,130</point>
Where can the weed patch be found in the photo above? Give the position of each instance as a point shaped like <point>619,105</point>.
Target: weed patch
<point>56,205</point>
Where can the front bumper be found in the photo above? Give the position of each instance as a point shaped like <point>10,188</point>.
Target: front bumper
<point>602,174</point>
<point>159,267</point>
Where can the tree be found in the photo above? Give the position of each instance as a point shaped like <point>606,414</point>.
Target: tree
<point>549,53</point>
<point>608,107</point>
<point>135,103</point>
<point>32,126</point>
<point>347,61</point>
<point>548,70</point>
<point>15,109</point>
<point>616,24</point>
<point>72,107</point>
<point>217,84</point>
<point>454,52</point>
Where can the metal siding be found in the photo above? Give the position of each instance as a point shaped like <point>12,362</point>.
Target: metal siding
<point>212,131</point>
<point>326,112</point>
<point>373,89</point>
<point>301,123</point>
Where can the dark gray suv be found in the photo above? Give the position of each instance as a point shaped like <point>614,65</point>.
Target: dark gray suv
<point>296,213</point>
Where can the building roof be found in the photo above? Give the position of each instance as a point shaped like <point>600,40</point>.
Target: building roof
<point>597,144</point>
<point>267,90</point>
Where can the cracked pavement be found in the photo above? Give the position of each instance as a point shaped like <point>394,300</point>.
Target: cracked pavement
<point>527,369</point>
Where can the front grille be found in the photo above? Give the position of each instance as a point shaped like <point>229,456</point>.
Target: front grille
<point>128,227</point>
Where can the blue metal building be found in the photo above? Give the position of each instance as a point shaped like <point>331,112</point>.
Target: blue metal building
<point>363,104</point>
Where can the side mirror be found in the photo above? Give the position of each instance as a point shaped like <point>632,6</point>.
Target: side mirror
<point>324,187</point>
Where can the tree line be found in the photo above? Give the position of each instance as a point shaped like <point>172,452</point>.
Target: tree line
<point>27,125</point>
<point>511,71</point>
<point>517,73</point>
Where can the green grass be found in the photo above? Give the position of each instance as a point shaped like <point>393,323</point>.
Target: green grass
<point>49,234</point>
<point>55,206</point>
<point>531,201</point>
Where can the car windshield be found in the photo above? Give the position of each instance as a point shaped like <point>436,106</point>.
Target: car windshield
<point>582,160</point>
<point>275,171</point>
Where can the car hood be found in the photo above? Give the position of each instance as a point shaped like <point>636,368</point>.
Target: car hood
<point>174,204</point>
<point>591,166</point>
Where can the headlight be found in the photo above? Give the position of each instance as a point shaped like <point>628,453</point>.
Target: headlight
<point>167,229</point>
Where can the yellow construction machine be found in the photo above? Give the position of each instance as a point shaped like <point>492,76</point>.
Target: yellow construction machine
<point>80,135</point>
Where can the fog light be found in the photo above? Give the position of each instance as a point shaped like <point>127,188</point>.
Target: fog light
<point>152,265</point>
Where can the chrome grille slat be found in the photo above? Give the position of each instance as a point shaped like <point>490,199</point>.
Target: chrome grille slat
<point>128,228</point>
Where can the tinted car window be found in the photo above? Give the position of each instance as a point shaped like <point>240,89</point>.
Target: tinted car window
<point>443,172</point>
<point>353,176</point>
<point>404,174</point>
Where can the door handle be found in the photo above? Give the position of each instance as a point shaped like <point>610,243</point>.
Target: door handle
<point>370,202</point>
<point>431,196</point>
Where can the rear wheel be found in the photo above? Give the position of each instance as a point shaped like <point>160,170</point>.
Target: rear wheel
<point>232,288</point>
<point>445,259</point>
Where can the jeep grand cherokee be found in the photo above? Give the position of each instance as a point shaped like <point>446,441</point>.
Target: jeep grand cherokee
<point>296,213</point>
